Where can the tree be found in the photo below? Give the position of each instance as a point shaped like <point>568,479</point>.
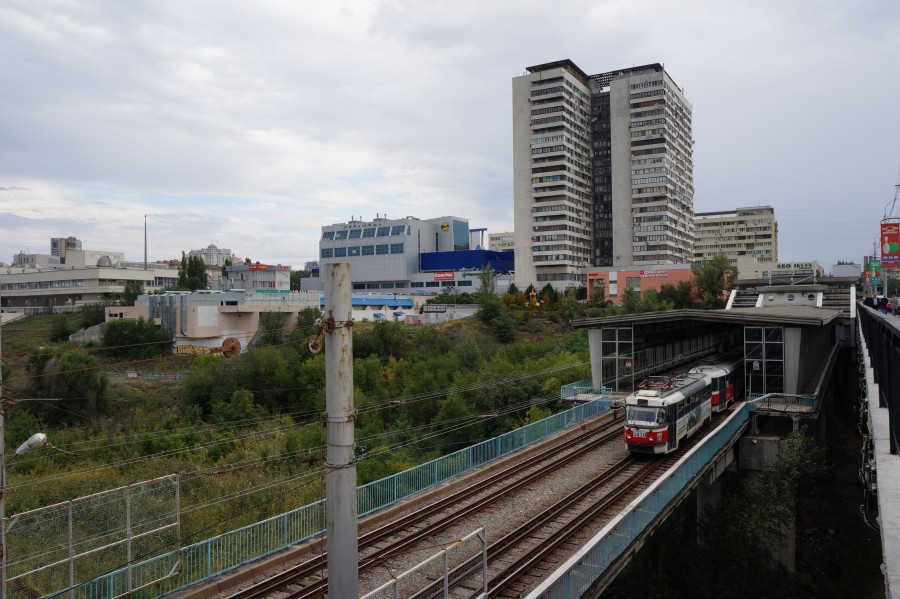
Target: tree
<point>128,338</point>
<point>680,296</point>
<point>60,328</point>
<point>92,314</point>
<point>271,329</point>
<point>487,296</point>
<point>711,281</point>
<point>192,273</point>
<point>131,292</point>
<point>631,300</point>
<point>549,295</point>
<point>225,266</point>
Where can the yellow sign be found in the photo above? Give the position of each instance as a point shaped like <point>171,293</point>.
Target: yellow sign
<point>445,226</point>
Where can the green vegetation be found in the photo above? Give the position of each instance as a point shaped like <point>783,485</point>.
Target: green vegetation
<point>131,292</point>
<point>192,273</point>
<point>128,338</point>
<point>246,434</point>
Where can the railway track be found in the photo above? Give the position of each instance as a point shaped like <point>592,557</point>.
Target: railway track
<point>526,555</point>
<point>308,579</point>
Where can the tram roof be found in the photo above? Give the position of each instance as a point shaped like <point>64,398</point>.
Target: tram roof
<point>782,315</point>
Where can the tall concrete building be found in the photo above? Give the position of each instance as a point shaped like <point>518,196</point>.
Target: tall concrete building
<point>747,236</point>
<point>602,171</point>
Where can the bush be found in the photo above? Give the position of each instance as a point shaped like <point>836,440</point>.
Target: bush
<point>127,338</point>
<point>60,328</point>
<point>92,314</point>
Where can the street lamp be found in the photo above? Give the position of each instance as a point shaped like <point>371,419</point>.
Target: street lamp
<point>35,441</point>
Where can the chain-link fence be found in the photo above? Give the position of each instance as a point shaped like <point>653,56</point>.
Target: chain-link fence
<point>54,548</point>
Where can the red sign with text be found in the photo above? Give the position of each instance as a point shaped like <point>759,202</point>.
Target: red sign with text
<point>890,245</point>
<point>443,276</point>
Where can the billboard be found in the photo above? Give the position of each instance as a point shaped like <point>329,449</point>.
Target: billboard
<point>890,245</point>
<point>875,272</point>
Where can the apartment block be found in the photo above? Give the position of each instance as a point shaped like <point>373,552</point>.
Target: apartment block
<point>747,236</point>
<point>502,242</point>
<point>602,171</point>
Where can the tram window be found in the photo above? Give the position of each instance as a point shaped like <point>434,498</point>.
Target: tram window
<point>641,414</point>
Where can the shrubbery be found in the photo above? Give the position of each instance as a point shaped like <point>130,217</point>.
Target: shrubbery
<point>128,338</point>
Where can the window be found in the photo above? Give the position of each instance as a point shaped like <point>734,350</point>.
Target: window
<point>328,235</point>
<point>340,234</point>
<point>400,230</point>
<point>396,248</point>
<point>354,251</point>
<point>340,252</point>
<point>416,284</point>
<point>355,233</point>
<point>432,283</point>
<point>327,253</point>
<point>368,233</point>
<point>464,284</point>
<point>381,249</point>
<point>384,231</point>
<point>368,250</point>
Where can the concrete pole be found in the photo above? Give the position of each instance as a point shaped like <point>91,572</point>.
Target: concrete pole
<point>340,464</point>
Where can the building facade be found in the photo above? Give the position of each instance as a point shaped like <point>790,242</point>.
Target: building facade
<point>743,232</point>
<point>59,246</point>
<point>614,280</point>
<point>69,277</point>
<point>213,256</point>
<point>502,242</point>
<point>257,277</point>
<point>602,171</point>
<point>408,255</point>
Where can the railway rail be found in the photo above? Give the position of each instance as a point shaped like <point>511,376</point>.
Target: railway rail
<point>308,579</point>
<point>524,556</point>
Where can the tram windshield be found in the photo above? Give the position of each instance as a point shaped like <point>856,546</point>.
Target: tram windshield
<point>645,415</point>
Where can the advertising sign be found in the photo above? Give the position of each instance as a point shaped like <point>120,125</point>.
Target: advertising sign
<point>890,245</point>
<point>443,276</point>
<point>875,272</point>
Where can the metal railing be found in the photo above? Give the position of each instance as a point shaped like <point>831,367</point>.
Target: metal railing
<point>583,387</point>
<point>392,587</point>
<point>592,562</point>
<point>784,402</point>
<point>230,550</point>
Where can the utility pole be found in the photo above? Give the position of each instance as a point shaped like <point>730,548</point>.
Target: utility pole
<point>340,417</point>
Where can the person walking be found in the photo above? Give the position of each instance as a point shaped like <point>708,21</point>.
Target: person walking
<point>895,304</point>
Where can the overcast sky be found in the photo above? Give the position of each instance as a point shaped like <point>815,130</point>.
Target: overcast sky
<point>250,125</point>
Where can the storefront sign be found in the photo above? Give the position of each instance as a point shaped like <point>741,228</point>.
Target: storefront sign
<point>443,276</point>
<point>435,308</point>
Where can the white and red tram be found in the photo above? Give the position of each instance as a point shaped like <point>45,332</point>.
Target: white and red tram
<point>727,382</point>
<point>664,410</point>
